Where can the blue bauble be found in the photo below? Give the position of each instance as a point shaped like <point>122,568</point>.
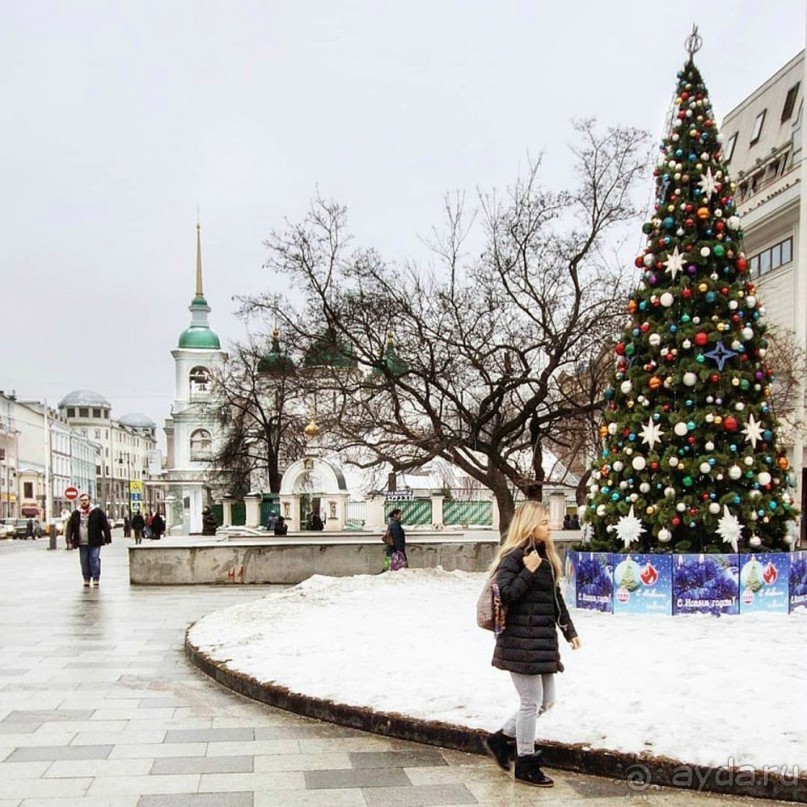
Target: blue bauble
<point>767,435</point>
<point>771,505</point>
<point>710,296</point>
<point>614,497</point>
<point>668,223</point>
<point>673,328</point>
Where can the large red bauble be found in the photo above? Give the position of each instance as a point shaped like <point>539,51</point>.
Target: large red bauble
<point>714,378</point>
<point>620,348</point>
<point>701,338</point>
<point>676,522</point>
<point>730,423</point>
<point>639,261</point>
<point>741,264</point>
<point>686,293</point>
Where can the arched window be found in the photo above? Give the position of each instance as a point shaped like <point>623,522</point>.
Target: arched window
<point>201,445</point>
<point>200,380</point>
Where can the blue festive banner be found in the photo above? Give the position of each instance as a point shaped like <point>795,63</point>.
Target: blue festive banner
<point>595,581</point>
<point>798,580</point>
<point>764,582</point>
<point>643,584</point>
<point>706,584</point>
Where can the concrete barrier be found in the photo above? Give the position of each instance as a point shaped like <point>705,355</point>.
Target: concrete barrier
<point>293,559</point>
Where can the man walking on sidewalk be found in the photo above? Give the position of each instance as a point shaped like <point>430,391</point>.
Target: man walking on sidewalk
<point>88,529</point>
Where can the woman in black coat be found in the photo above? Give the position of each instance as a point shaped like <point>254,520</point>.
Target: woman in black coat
<point>527,570</point>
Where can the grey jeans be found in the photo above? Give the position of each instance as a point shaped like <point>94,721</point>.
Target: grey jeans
<point>536,694</point>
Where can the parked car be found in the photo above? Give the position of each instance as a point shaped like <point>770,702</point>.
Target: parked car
<point>6,529</point>
<point>18,526</point>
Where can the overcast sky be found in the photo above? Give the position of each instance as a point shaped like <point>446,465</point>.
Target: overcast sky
<point>118,118</point>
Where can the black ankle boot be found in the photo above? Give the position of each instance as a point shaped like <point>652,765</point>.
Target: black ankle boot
<point>499,745</point>
<point>528,771</point>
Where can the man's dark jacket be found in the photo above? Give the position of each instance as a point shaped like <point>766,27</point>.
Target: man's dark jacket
<point>98,532</point>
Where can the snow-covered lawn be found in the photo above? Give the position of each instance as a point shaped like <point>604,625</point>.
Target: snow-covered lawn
<point>700,689</point>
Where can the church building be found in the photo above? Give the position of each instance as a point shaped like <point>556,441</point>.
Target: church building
<point>192,431</point>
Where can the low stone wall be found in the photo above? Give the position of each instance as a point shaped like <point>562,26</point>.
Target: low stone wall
<point>292,561</point>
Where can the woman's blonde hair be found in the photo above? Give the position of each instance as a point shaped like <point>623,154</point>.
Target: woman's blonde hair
<point>527,517</point>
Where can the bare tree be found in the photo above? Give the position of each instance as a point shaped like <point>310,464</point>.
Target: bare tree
<point>262,410</point>
<point>477,370</point>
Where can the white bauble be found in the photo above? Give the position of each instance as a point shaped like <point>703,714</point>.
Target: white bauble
<point>690,379</point>
<point>790,539</point>
<point>735,472</point>
<point>686,344</point>
<point>649,259</point>
<point>710,446</point>
<point>644,487</point>
<point>654,339</point>
<point>739,406</point>
<point>669,493</point>
<point>748,461</point>
<point>667,299</point>
<point>673,462</point>
<point>623,485</point>
<point>747,333</point>
<point>634,497</point>
<point>629,451</point>
<point>733,305</point>
<point>714,507</point>
<point>736,346</point>
<point>612,428</point>
<point>639,463</point>
<point>600,509</point>
<point>705,468</point>
<point>705,252</point>
<point>680,428</point>
<point>664,535</point>
<point>733,222</point>
<point>755,494</point>
<point>680,507</point>
<point>626,387</point>
<point>751,301</point>
<point>764,478</point>
<point>618,466</point>
<point>755,541</point>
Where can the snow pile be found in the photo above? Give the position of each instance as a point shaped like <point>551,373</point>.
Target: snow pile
<point>706,690</point>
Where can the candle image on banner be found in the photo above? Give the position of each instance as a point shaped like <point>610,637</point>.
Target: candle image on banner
<point>706,584</point>
<point>595,583</point>
<point>798,580</point>
<point>570,576</point>
<point>643,585</point>
<point>764,582</point>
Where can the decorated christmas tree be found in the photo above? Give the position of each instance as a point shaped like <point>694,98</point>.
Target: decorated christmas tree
<point>689,459</point>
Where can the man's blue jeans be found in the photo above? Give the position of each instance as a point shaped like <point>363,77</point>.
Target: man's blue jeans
<point>90,557</point>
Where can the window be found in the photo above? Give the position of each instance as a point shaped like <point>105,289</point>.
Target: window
<point>2,453</point>
<point>28,490</point>
<point>201,444</point>
<point>96,413</point>
<point>97,434</point>
<point>83,412</point>
<point>756,134</point>
<point>730,147</point>
<point>83,432</point>
<point>790,102</point>
<point>199,378</point>
<point>772,258</point>
<point>71,411</point>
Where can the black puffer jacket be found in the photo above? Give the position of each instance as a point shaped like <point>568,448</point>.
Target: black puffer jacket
<point>529,644</point>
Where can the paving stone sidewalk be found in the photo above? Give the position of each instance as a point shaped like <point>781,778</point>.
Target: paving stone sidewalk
<point>98,707</point>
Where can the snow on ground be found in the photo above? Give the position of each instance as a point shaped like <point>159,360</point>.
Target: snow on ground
<point>700,689</point>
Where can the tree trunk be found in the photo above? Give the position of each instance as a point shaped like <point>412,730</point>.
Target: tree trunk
<point>497,482</point>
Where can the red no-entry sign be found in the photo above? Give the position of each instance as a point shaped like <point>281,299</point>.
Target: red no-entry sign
<point>71,493</point>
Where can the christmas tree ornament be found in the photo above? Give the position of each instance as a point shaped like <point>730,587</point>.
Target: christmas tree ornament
<point>628,528</point>
<point>729,529</point>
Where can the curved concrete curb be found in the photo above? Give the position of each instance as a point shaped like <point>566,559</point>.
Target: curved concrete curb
<point>640,771</point>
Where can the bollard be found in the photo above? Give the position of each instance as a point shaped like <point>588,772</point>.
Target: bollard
<point>52,535</point>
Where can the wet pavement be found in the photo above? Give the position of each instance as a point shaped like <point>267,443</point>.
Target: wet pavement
<point>98,706</point>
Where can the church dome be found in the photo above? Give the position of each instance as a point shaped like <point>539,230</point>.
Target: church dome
<point>137,420</point>
<point>84,397</point>
<point>327,351</point>
<point>274,362</point>
<point>199,338</point>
